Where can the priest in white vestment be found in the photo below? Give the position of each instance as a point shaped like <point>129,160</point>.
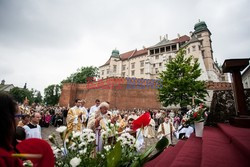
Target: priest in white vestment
<point>166,129</point>
<point>149,131</point>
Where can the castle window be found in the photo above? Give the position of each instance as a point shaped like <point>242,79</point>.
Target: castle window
<point>203,54</point>
<point>162,50</point>
<point>167,48</point>
<point>153,65</point>
<point>174,47</point>
<point>151,52</point>
<point>133,72</point>
<point>123,74</point>
<point>199,36</point>
<point>102,72</point>
<point>199,47</point>
<point>142,63</point>
<point>142,71</point>
<point>114,68</point>
<point>193,48</point>
<point>156,51</point>
<point>156,57</point>
<point>123,67</point>
<point>159,64</point>
<point>107,71</point>
<point>156,71</point>
<point>132,65</point>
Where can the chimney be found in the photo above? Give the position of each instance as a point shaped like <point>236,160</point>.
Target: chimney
<point>178,35</point>
<point>167,37</point>
<point>190,33</point>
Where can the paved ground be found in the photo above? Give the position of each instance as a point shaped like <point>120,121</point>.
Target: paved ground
<point>148,142</point>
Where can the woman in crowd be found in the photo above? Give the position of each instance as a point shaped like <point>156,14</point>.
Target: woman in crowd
<point>8,110</point>
<point>9,151</point>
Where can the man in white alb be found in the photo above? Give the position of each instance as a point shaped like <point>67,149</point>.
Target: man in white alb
<point>33,129</point>
<point>94,108</point>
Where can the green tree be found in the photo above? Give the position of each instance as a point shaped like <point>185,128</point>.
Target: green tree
<point>38,98</point>
<point>20,94</point>
<point>82,75</point>
<point>179,82</point>
<point>52,94</point>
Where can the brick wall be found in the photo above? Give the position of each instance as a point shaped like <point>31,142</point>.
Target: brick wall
<point>123,93</point>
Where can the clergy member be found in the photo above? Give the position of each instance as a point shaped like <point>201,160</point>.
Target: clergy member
<point>166,129</point>
<point>74,116</point>
<point>98,121</point>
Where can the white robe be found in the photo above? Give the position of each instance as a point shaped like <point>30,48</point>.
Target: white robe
<point>32,132</point>
<point>149,131</point>
<point>187,130</point>
<point>165,130</point>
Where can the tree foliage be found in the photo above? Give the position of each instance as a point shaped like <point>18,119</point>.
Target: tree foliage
<point>82,75</point>
<point>52,94</point>
<point>20,94</point>
<point>179,82</point>
<point>38,98</point>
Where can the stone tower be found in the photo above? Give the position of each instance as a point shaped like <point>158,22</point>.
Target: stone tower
<point>202,33</point>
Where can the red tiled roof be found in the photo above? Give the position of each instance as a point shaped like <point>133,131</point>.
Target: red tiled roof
<point>182,39</point>
<point>127,55</point>
<point>141,52</point>
<point>130,54</point>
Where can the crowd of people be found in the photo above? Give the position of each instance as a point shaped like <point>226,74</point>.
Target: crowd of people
<point>25,121</point>
<point>168,123</point>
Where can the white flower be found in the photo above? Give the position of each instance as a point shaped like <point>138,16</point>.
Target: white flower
<point>50,137</point>
<point>111,125</point>
<point>77,134</point>
<point>87,130</point>
<point>91,137</point>
<point>117,124</point>
<point>61,129</point>
<point>84,137</point>
<point>109,121</point>
<point>104,134</point>
<point>82,144</point>
<point>75,162</point>
<point>107,147</point>
<point>73,146</point>
<point>56,151</point>
<point>81,152</point>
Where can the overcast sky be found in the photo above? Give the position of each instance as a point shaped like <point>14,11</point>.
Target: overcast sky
<point>44,41</point>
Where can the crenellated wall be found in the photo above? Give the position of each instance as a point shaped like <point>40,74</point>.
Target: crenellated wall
<point>123,93</point>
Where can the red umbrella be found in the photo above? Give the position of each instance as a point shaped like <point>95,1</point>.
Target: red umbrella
<point>142,121</point>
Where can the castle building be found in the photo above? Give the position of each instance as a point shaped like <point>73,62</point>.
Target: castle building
<point>148,62</point>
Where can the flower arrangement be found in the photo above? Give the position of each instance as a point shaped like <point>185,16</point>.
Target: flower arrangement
<point>79,148</point>
<point>197,114</point>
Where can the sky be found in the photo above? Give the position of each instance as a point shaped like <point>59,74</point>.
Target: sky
<point>42,42</point>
